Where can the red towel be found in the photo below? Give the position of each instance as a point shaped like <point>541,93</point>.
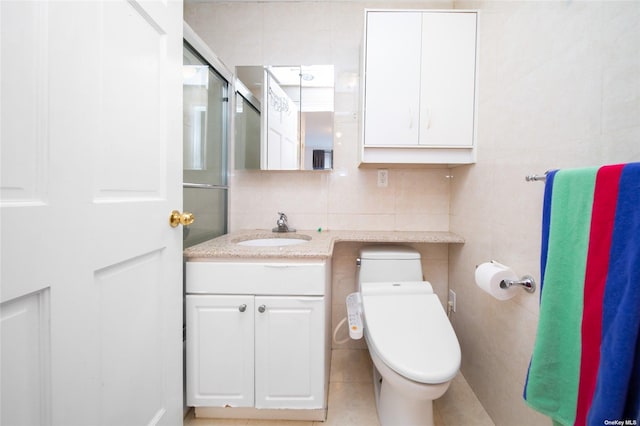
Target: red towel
<point>603,214</point>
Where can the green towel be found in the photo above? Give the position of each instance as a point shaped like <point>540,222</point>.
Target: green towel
<point>552,385</point>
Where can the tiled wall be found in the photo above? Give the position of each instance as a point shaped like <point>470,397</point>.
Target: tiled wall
<point>251,33</point>
<point>285,33</point>
<point>559,87</point>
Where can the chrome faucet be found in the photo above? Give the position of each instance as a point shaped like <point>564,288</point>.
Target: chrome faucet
<point>283,225</point>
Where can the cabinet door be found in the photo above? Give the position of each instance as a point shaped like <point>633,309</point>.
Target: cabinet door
<point>289,352</point>
<point>220,350</point>
<point>392,78</point>
<point>447,94</point>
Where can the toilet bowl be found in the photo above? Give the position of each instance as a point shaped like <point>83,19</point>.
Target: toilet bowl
<point>413,347</point>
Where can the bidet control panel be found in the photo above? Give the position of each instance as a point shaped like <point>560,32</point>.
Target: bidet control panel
<point>354,315</point>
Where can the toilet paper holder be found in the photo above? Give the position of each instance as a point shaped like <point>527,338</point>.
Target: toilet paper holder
<point>526,282</point>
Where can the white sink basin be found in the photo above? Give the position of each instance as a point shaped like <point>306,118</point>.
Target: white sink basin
<point>272,242</point>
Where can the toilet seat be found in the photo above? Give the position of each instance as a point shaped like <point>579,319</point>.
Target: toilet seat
<point>409,331</point>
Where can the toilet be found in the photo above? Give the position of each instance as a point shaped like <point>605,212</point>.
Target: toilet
<point>414,349</point>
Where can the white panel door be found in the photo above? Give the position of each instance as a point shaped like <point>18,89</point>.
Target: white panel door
<point>220,351</point>
<point>289,143</point>
<point>91,291</point>
<point>282,127</point>
<point>447,94</point>
<point>289,352</point>
<point>392,78</point>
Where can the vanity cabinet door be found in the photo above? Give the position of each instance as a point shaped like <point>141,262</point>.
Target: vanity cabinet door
<point>289,352</point>
<point>220,350</point>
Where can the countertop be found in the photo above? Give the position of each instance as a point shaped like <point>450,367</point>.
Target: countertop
<point>320,245</point>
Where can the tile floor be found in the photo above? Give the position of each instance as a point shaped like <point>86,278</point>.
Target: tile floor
<point>351,401</point>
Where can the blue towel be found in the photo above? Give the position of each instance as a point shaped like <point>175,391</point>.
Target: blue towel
<point>544,245</point>
<point>546,220</point>
<point>617,394</point>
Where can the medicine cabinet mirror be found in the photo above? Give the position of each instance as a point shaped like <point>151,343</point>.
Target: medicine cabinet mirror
<point>284,117</point>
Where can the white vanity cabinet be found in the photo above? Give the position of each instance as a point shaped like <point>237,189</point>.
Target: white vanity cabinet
<point>258,337</point>
<point>289,352</point>
<point>220,350</point>
<point>419,87</point>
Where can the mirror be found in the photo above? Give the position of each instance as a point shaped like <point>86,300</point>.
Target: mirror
<point>284,117</point>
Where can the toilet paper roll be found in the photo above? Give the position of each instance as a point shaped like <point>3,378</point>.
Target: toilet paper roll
<point>490,274</point>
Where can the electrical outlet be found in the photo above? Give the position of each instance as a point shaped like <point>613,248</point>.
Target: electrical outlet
<point>383,178</point>
<point>452,300</point>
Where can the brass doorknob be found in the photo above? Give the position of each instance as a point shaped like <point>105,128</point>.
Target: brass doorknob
<point>178,218</point>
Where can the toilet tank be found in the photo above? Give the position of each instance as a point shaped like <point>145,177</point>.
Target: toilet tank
<point>389,263</point>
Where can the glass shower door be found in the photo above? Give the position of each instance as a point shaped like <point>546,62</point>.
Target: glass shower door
<point>205,135</point>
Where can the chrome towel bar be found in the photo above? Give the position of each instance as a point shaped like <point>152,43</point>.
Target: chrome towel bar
<point>536,178</point>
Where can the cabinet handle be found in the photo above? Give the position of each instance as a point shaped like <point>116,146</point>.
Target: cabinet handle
<point>262,308</point>
<point>242,308</point>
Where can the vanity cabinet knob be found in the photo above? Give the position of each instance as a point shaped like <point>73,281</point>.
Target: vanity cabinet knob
<point>242,308</point>
<point>262,308</point>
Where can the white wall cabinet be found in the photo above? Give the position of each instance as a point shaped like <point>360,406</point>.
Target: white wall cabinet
<point>419,87</point>
<point>267,349</point>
